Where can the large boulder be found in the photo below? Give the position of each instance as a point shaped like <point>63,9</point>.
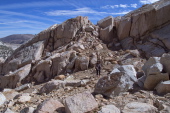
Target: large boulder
<point>106,22</point>
<point>120,80</point>
<point>62,62</point>
<point>49,106</point>
<point>106,28</point>
<point>152,65</point>
<point>109,109</point>
<point>42,70</point>
<point>51,85</point>
<point>153,79</point>
<point>16,77</point>
<point>80,103</point>
<point>81,63</point>
<point>165,60</point>
<point>163,87</point>
<point>137,107</point>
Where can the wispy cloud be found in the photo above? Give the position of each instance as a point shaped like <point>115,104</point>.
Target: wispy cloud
<point>25,15</point>
<point>148,1</point>
<point>119,6</point>
<point>32,4</point>
<point>134,5</point>
<point>76,12</point>
<point>81,11</point>
<point>123,5</point>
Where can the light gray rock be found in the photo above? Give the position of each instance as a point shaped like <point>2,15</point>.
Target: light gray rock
<point>81,63</point>
<point>23,98</point>
<point>153,79</point>
<point>149,63</point>
<point>16,77</point>
<point>60,61</point>
<point>73,83</point>
<point>49,106</point>
<point>23,87</point>
<point>155,68</point>
<point>99,47</point>
<point>106,22</point>
<point>162,34</point>
<point>80,103</point>
<point>137,107</point>
<point>10,94</point>
<point>106,34</point>
<point>163,87</point>
<point>123,30</point>
<point>42,70</point>
<point>120,80</point>
<point>51,85</point>
<point>109,109</point>
<point>95,33</point>
<point>165,60</point>
<point>89,28</point>
<point>151,50</point>
<point>27,110</point>
<point>85,82</point>
<point>2,99</point>
<point>127,43</point>
<point>93,60</point>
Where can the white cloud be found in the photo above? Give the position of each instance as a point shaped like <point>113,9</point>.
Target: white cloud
<point>110,6</point>
<point>76,12</point>
<point>118,6</point>
<point>82,11</point>
<point>148,1</point>
<point>123,5</point>
<point>134,5</point>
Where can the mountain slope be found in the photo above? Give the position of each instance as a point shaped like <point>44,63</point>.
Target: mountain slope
<point>17,38</point>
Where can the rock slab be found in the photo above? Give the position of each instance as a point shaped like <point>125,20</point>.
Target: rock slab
<point>80,103</point>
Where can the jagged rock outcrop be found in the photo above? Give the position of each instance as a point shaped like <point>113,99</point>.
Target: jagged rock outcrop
<point>146,29</point>
<point>156,70</point>
<point>54,51</point>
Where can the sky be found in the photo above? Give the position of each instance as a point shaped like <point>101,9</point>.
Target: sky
<point>33,16</point>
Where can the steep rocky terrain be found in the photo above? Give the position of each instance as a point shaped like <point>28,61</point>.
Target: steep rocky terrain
<point>55,71</point>
<point>5,51</point>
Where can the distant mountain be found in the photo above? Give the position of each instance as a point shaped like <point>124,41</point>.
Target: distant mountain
<point>17,38</point>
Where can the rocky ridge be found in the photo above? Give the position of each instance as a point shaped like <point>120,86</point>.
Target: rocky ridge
<point>56,68</point>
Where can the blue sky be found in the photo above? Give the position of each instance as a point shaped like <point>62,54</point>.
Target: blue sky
<point>33,16</point>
